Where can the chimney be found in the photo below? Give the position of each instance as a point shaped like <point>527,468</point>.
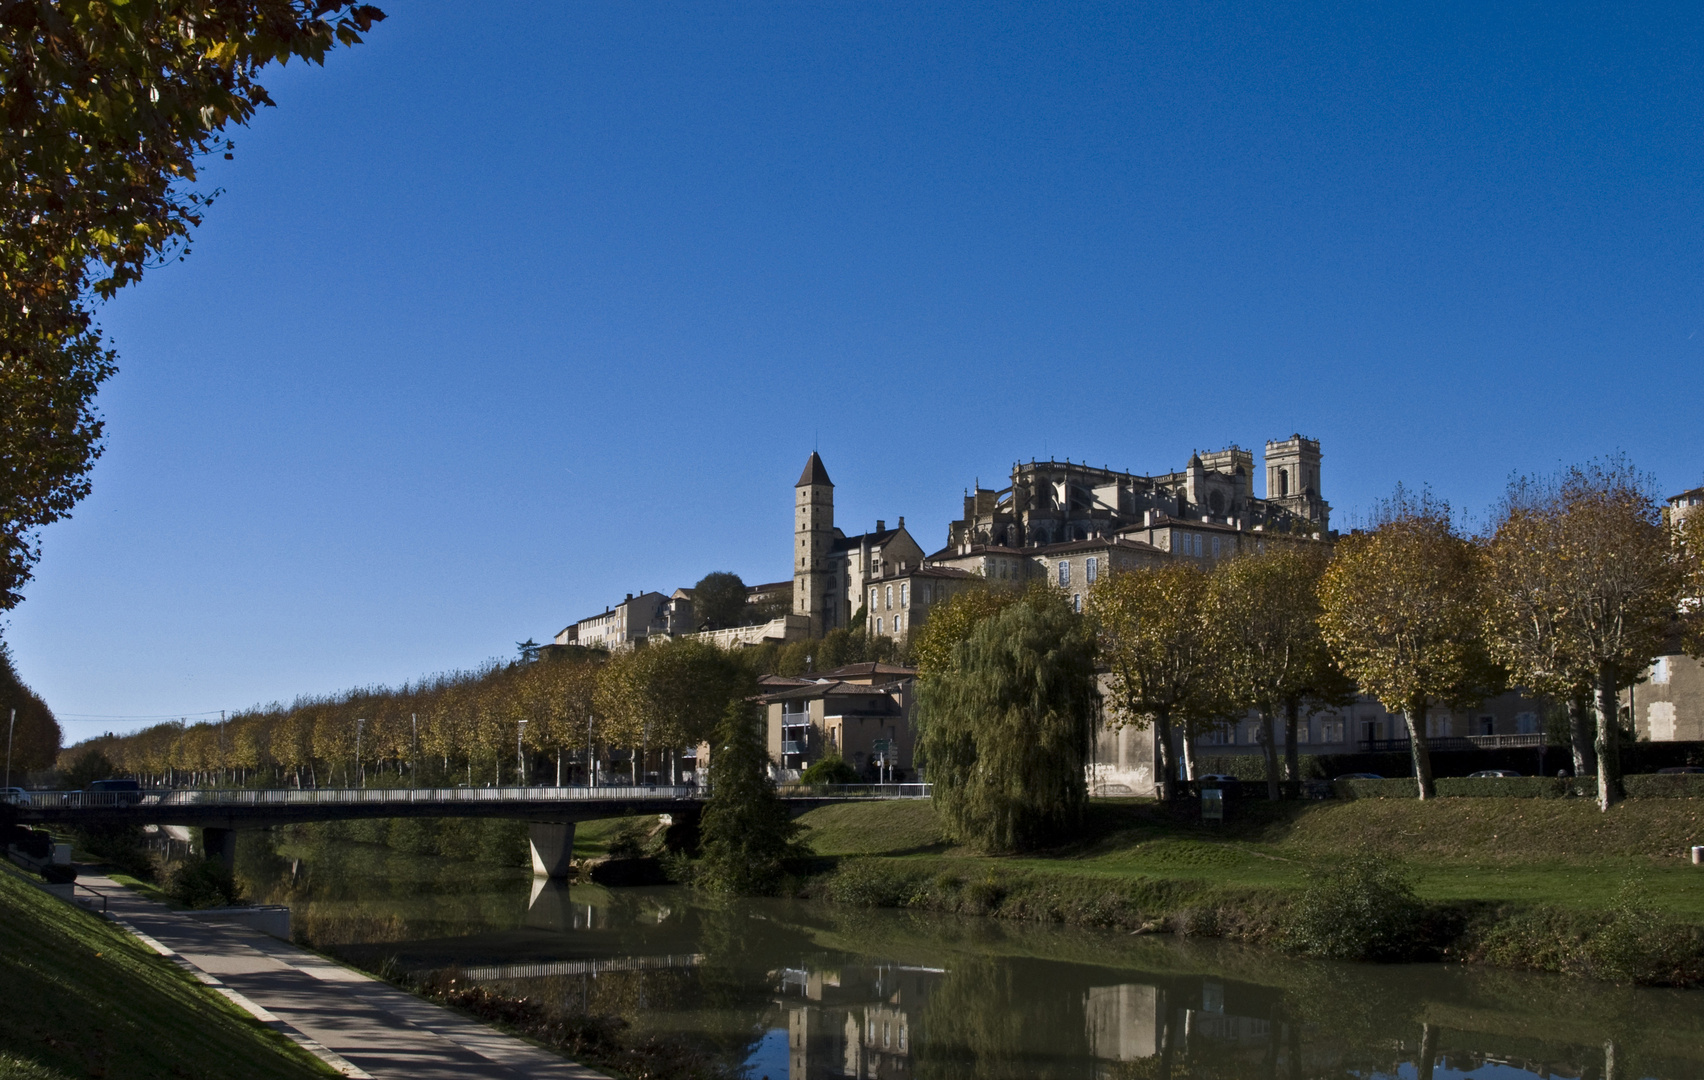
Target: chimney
<point>881,526</point>
<point>901,524</point>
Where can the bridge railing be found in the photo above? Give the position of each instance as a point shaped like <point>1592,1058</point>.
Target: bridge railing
<point>238,797</point>
<point>856,791</point>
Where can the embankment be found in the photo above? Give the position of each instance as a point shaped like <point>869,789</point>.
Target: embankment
<point>84,998</point>
<point>1549,884</point>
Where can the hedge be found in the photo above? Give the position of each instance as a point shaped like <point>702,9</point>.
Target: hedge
<point>1671,786</point>
<point>1399,788</point>
<point>1513,787</point>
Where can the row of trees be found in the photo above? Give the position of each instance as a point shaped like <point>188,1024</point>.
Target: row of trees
<point>1578,584</point>
<point>505,722</point>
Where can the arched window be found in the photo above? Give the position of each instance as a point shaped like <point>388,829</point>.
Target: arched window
<point>1283,481</point>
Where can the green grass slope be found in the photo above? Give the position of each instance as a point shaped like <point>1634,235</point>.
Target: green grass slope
<point>1557,852</point>
<point>83,998</point>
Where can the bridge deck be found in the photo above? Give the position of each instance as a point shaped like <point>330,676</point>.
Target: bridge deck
<point>230,807</point>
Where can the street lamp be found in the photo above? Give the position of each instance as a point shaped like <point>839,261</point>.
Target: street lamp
<point>359,764</point>
<point>520,755</point>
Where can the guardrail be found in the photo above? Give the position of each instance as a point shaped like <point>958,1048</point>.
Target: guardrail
<point>1456,742</point>
<point>241,797</point>
<point>856,791</point>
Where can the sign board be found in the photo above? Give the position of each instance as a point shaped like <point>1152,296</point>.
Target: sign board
<point>1212,804</point>
<point>881,746</point>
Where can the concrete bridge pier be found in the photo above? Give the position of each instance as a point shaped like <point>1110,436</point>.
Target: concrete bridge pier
<point>220,843</point>
<point>552,844</point>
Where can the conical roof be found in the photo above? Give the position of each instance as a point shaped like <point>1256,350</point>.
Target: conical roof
<point>814,473</point>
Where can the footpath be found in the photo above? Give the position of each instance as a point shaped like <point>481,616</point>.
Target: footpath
<point>360,1026</point>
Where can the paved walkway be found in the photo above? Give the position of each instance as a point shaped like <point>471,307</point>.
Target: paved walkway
<point>363,1027</point>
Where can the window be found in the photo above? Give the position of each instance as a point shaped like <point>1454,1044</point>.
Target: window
<point>1077,603</point>
<point>1064,573</point>
<point>889,598</point>
<point>923,593</point>
<point>1526,723</point>
<point>904,593</point>
<point>872,598</point>
<point>1660,672</point>
<point>1283,482</point>
<point>1215,547</point>
<point>1091,569</point>
<point>896,624</point>
<point>878,624</point>
<point>1487,725</point>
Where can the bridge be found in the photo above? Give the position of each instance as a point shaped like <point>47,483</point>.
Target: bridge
<point>550,812</point>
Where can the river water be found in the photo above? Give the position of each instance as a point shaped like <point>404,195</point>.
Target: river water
<point>801,990</point>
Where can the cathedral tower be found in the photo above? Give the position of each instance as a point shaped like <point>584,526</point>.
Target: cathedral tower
<point>813,547</point>
<point>1292,478</point>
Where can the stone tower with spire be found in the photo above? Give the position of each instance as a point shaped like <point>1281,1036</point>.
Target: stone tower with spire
<point>813,547</point>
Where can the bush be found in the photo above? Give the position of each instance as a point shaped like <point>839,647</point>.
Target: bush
<point>1671,786</point>
<point>203,883</point>
<point>1403,787</point>
<point>830,770</point>
<point>1362,909</point>
<point>1638,944</point>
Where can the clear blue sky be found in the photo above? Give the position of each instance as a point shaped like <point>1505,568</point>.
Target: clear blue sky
<point>518,308</point>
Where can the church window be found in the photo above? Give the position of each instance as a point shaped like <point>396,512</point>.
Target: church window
<point>1283,481</point>
<point>904,594</point>
<point>1091,569</point>
<point>1064,572</point>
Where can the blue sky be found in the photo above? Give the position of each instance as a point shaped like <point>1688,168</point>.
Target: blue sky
<point>502,317</point>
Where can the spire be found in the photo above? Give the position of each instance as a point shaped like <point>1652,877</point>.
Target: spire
<point>814,473</point>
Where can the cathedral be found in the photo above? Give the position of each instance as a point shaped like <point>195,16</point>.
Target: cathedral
<point>1068,523</point>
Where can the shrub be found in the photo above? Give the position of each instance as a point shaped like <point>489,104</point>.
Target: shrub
<point>1638,944</point>
<point>203,883</point>
<point>830,770</point>
<point>1671,786</point>
<point>1361,909</point>
<point>861,883</point>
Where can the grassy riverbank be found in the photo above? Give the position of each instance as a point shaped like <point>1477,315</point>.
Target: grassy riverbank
<point>84,998</point>
<point>1551,883</point>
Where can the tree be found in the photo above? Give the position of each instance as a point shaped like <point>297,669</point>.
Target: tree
<point>719,600</point>
<point>108,108</point>
<point>952,622</point>
<point>1612,579</point>
<point>1006,727</point>
<point>1159,644</point>
<point>1274,659</point>
<point>747,830</point>
<point>35,736</point>
<point>668,695</point>
<point>1399,609</point>
<point>1526,626</point>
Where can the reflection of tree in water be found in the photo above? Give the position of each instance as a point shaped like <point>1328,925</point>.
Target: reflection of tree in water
<point>984,1018</point>
<point>346,893</point>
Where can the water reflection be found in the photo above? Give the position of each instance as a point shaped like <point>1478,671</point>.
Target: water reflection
<point>808,992</point>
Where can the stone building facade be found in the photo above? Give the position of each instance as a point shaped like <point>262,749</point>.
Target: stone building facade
<point>830,569</point>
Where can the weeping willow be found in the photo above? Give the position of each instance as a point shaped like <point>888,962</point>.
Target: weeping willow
<point>1005,727</point>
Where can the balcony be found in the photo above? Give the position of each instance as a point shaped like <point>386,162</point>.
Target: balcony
<point>1447,743</point>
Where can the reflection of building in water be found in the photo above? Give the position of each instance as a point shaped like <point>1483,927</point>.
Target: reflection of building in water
<point>1124,1022</point>
<point>853,1021</point>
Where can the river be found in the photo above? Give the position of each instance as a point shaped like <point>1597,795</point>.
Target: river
<point>803,990</point>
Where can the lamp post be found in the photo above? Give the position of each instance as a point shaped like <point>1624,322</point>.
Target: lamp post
<point>520,754</point>
<point>360,765</point>
<point>591,756</point>
<point>10,725</point>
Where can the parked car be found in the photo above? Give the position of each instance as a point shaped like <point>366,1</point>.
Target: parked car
<point>1360,776</point>
<point>16,796</point>
<point>1491,774</point>
<point>1678,770</point>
